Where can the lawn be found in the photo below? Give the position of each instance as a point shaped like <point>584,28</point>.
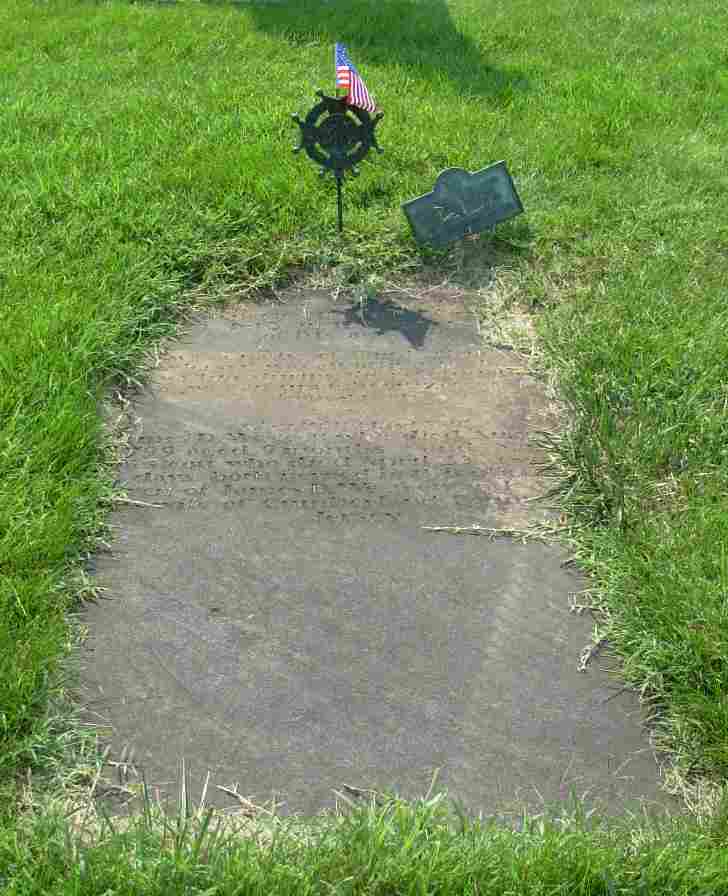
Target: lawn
<point>146,161</point>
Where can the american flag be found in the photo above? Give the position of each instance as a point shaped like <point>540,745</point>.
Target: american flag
<point>348,78</point>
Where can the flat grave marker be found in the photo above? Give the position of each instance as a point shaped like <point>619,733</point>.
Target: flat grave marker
<point>278,614</point>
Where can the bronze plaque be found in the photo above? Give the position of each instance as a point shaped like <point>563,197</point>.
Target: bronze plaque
<point>463,203</point>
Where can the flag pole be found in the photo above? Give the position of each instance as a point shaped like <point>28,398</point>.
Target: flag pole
<point>340,93</point>
<point>339,202</point>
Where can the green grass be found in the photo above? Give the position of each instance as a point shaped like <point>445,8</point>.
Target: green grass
<point>146,160</point>
<point>383,846</point>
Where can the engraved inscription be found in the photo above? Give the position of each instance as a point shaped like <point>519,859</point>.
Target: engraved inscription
<point>203,470</point>
<point>370,431</point>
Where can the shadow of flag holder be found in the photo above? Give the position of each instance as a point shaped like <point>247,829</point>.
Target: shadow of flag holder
<point>337,137</point>
<point>462,204</point>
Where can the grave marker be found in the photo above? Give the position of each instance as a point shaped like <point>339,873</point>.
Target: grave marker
<point>337,137</point>
<point>463,203</point>
<point>289,603</point>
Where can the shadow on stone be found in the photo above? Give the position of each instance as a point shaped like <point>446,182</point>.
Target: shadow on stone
<point>387,317</point>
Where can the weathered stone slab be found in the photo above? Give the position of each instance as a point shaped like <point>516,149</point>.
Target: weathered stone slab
<point>281,618</point>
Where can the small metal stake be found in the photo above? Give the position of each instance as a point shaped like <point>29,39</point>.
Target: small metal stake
<point>339,202</point>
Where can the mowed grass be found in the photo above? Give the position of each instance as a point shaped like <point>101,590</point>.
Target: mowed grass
<point>145,152</point>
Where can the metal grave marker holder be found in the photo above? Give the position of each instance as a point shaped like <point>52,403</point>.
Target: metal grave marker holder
<point>337,137</point>
<point>462,203</point>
